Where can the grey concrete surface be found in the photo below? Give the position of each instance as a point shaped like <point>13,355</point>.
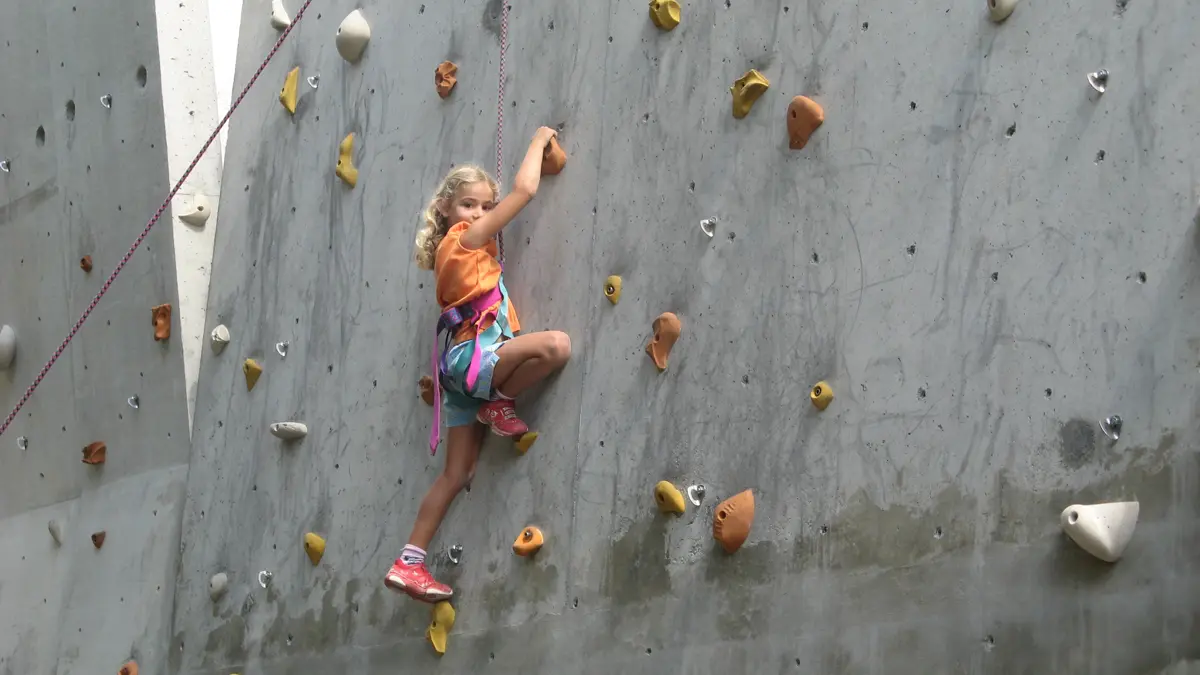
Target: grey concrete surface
<point>86,186</point>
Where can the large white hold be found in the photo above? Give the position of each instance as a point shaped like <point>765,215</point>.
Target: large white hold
<point>201,209</point>
<point>998,10</point>
<point>352,36</point>
<point>8,346</point>
<point>279,15</point>
<point>217,585</point>
<point>1104,530</point>
<point>220,338</point>
<point>289,431</point>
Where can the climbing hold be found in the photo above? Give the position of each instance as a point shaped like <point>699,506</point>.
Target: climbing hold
<point>287,95</point>
<point>439,627</point>
<point>821,395</point>
<point>526,441</point>
<point>664,14</point>
<point>804,115</point>
<point>201,209</point>
<point>98,538</point>
<point>85,263</point>
<point>162,322</point>
<point>217,585</point>
<point>445,77</point>
<point>345,164</point>
<point>130,668</point>
<point>732,520</point>
<point>95,453</point>
<point>252,370</point>
<point>668,497</point>
<point>1111,426</point>
<point>709,227</point>
<point>529,541</point>
<point>746,91</point>
<point>314,546</point>
<point>8,346</point>
<point>998,10</point>
<point>696,493</point>
<point>352,36</point>
<point>553,158</point>
<point>425,384</point>
<point>279,15</point>
<point>1099,80</point>
<point>55,532</point>
<point>1101,529</point>
<point>612,289</point>
<point>667,328</point>
<point>289,431</point>
<point>220,338</point>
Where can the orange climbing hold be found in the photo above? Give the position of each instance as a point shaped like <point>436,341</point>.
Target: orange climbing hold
<point>162,322</point>
<point>667,328</point>
<point>95,453</point>
<point>554,158</point>
<point>85,263</point>
<point>98,538</point>
<point>130,668</point>
<point>426,386</point>
<point>732,520</point>
<point>529,541</point>
<point>445,77</point>
<point>804,115</point>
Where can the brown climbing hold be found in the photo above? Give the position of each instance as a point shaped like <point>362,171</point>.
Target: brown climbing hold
<point>445,77</point>
<point>426,386</point>
<point>667,328</point>
<point>252,370</point>
<point>85,263</point>
<point>664,14</point>
<point>529,541</point>
<point>98,538</point>
<point>804,115</point>
<point>162,322</point>
<point>95,453</point>
<point>746,91</point>
<point>732,520</point>
<point>553,158</point>
<point>526,441</point>
<point>130,668</point>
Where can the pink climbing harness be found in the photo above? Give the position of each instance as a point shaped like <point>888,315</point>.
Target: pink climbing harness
<point>452,320</point>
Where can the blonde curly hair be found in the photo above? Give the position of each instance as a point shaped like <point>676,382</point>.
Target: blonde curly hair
<point>434,224</point>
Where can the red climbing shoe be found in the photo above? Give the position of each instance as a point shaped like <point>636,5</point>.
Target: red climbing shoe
<point>416,581</point>
<point>501,416</point>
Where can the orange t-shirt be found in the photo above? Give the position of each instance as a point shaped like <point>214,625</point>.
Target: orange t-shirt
<point>464,274</point>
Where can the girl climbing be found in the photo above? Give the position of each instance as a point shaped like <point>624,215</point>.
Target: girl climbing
<point>483,364</point>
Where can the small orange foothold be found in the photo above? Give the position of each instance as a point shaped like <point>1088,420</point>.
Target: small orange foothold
<point>445,77</point>
<point>529,541</point>
<point>426,385</point>
<point>95,453</point>
<point>162,322</point>
<point>804,115</point>
<point>130,668</point>
<point>98,538</point>
<point>732,520</point>
<point>667,328</point>
<point>85,263</point>
<point>553,158</point>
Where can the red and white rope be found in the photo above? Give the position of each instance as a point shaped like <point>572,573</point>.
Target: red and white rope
<point>500,114</point>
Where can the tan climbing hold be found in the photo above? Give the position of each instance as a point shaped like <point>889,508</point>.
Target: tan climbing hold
<point>425,384</point>
<point>130,668</point>
<point>162,322</point>
<point>55,531</point>
<point>804,115</point>
<point>612,289</point>
<point>199,213</point>
<point>352,36</point>
<point>98,538</point>
<point>252,370</point>
<point>85,263</point>
<point>314,546</point>
<point>667,328</point>
<point>220,338</point>
<point>746,91</point>
<point>664,14</point>
<point>289,431</point>
<point>345,164</point>
<point>668,497</point>
<point>526,441</point>
<point>999,10</point>
<point>732,520</point>
<point>440,626</point>
<point>287,95</point>
<point>553,158</point>
<point>1104,530</point>
<point>95,453</point>
<point>8,346</point>
<point>279,15</point>
<point>445,77</point>
<point>821,395</point>
<point>529,541</point>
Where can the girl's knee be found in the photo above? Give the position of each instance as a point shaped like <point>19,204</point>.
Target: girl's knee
<point>458,478</point>
<point>558,347</point>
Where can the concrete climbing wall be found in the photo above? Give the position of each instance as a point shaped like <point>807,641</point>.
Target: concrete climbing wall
<point>979,253</point>
<point>82,179</point>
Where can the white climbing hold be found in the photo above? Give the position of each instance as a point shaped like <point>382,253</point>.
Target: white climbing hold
<point>1101,529</point>
<point>998,10</point>
<point>289,431</point>
<point>55,532</point>
<point>201,209</point>
<point>352,36</point>
<point>8,346</point>
<point>279,15</point>
<point>220,338</point>
<point>217,585</point>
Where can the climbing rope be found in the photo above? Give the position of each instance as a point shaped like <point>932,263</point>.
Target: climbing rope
<point>158,214</point>
<point>500,115</point>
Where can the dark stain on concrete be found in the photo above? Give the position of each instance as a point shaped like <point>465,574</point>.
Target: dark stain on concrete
<point>28,202</point>
<point>533,584</point>
<point>1078,443</point>
<point>491,16</point>
<point>637,564</point>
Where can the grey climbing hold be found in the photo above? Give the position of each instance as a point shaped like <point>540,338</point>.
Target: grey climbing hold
<point>281,348</point>
<point>998,10</point>
<point>279,15</point>
<point>352,36</point>
<point>695,494</point>
<point>709,226</point>
<point>55,532</point>
<point>8,346</point>
<point>217,585</point>
<point>201,209</point>
<point>220,338</point>
<point>314,80</point>
<point>289,431</point>
<point>454,553</point>
<point>106,100</point>
<point>1099,80</point>
<point>134,402</point>
<point>1111,426</point>
<point>264,578</point>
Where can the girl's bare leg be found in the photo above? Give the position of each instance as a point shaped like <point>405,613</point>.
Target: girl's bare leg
<point>462,452</point>
<point>528,359</point>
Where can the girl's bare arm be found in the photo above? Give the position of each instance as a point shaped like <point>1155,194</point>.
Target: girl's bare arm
<point>525,185</point>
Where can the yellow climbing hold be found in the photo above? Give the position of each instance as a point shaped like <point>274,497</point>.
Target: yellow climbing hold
<point>526,441</point>
<point>252,370</point>
<point>821,395</point>
<point>664,13</point>
<point>439,627</point>
<point>287,96</point>
<point>668,497</point>
<point>746,91</point>
<point>612,289</point>
<point>345,165</point>
<point>314,546</point>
